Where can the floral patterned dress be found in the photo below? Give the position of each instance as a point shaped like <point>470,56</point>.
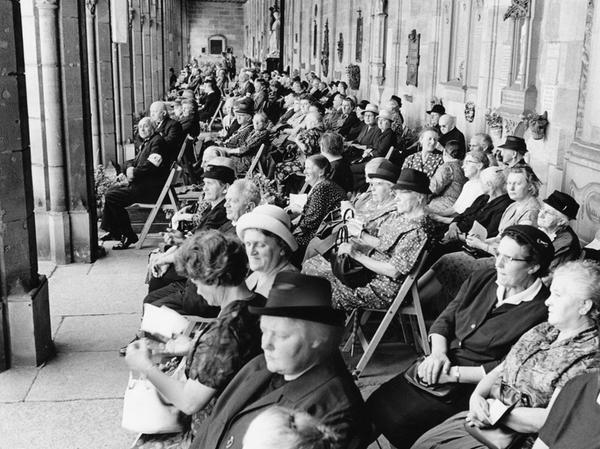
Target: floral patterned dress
<point>219,352</point>
<point>535,366</point>
<point>429,166</point>
<point>401,241</point>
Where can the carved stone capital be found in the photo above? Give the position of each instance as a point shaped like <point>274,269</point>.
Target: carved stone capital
<point>91,6</point>
<point>518,9</point>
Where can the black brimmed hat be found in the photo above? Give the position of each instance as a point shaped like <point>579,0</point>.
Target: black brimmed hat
<point>438,109</point>
<point>537,239</point>
<point>563,203</point>
<point>220,173</point>
<point>413,180</point>
<point>303,297</point>
<point>515,143</point>
<point>387,171</point>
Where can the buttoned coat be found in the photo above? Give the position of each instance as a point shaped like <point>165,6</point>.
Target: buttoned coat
<point>326,392</point>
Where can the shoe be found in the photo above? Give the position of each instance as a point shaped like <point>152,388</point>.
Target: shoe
<point>126,242</point>
<point>108,236</point>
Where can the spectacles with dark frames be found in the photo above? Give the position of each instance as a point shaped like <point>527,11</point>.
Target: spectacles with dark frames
<point>506,258</point>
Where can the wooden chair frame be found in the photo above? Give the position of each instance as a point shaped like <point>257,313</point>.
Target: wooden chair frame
<point>166,190</point>
<point>256,162</point>
<point>217,113</point>
<point>353,322</point>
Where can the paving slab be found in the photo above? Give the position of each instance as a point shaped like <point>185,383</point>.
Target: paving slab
<point>97,295</point>
<point>90,333</point>
<point>93,424</point>
<point>15,384</point>
<point>81,375</point>
<point>66,272</point>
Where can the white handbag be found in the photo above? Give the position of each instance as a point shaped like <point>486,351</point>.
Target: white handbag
<point>144,411</point>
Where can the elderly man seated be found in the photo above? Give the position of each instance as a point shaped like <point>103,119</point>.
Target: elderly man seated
<point>145,177</point>
<point>169,129</point>
<point>301,368</point>
<point>449,131</point>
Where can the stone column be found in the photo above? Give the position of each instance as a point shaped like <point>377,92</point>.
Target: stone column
<point>24,311</point>
<point>93,79</point>
<point>58,219</point>
<point>378,47</point>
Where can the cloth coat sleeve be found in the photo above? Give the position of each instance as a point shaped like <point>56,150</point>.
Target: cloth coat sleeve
<point>445,324</point>
<point>146,168</point>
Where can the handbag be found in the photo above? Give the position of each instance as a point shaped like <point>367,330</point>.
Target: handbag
<point>332,221</point>
<point>440,391</point>
<point>144,410</point>
<point>349,272</point>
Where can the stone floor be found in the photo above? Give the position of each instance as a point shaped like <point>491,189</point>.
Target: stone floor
<point>75,400</point>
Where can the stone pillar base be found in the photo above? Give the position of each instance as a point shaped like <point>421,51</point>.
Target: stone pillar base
<point>59,227</point>
<point>29,323</point>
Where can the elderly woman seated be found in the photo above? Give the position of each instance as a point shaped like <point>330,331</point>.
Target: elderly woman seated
<point>324,196</point>
<point>448,180</point>
<point>473,165</point>
<point>217,265</point>
<point>241,197</point>
<point>535,369</point>
<point>368,211</point>
<point>390,251</point>
<point>301,368</point>
<point>493,309</point>
<point>269,245</point>
<point>451,270</point>
<point>243,151</point>
<point>429,158</point>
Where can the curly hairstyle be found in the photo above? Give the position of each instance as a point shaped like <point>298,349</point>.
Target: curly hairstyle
<point>585,275</point>
<point>284,428</point>
<point>213,258</point>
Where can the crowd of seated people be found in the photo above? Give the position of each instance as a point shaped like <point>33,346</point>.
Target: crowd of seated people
<point>513,307</point>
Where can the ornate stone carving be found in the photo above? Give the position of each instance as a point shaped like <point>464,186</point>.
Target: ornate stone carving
<point>537,125</point>
<point>589,197</point>
<point>585,66</point>
<point>46,4</point>
<point>131,17</point>
<point>413,58</point>
<point>91,6</point>
<point>325,51</point>
<point>469,111</point>
<point>518,10</point>
<point>359,37</point>
<point>340,48</point>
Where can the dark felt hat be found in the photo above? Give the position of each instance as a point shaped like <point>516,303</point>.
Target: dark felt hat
<point>563,203</point>
<point>537,239</point>
<point>413,180</point>
<point>438,109</point>
<point>387,171</point>
<point>301,296</point>
<point>220,173</point>
<point>515,143</point>
<point>244,106</point>
<point>397,100</point>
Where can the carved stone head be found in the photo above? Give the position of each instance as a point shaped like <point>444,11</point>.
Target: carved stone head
<point>537,125</point>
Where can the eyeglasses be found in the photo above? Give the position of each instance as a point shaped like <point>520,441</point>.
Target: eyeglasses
<point>505,258</point>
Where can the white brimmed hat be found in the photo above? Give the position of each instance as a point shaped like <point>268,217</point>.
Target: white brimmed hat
<point>268,218</point>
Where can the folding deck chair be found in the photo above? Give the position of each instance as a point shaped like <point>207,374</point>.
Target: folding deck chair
<point>353,322</point>
<point>166,190</point>
<point>256,162</point>
<point>218,114</point>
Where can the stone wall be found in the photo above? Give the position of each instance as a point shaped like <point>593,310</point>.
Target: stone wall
<point>207,19</point>
<point>488,54</point>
